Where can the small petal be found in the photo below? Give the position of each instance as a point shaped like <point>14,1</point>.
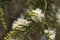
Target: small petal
<point>46,31</point>
<point>52,36</point>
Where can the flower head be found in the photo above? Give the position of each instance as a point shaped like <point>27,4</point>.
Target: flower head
<point>36,15</point>
<point>51,31</point>
<point>19,22</point>
<point>52,37</point>
<point>46,31</point>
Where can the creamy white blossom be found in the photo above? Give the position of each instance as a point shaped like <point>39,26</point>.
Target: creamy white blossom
<point>20,21</point>
<point>51,33</point>
<point>52,37</point>
<point>46,31</point>
<point>37,15</point>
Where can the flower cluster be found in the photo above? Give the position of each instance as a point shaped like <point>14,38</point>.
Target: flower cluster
<point>50,33</point>
<point>36,15</point>
<point>18,24</point>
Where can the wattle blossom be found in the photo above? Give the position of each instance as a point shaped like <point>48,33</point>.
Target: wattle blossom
<point>50,33</point>
<point>19,22</point>
<point>37,15</point>
<point>52,37</point>
<point>46,31</point>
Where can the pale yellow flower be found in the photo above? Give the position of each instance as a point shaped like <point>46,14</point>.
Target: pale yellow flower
<point>52,36</point>
<point>19,22</point>
<point>37,15</point>
<point>46,31</point>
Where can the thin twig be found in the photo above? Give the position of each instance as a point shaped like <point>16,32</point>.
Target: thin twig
<point>45,6</point>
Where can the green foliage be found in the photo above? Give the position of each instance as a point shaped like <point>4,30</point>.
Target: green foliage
<point>37,3</point>
<point>2,19</point>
